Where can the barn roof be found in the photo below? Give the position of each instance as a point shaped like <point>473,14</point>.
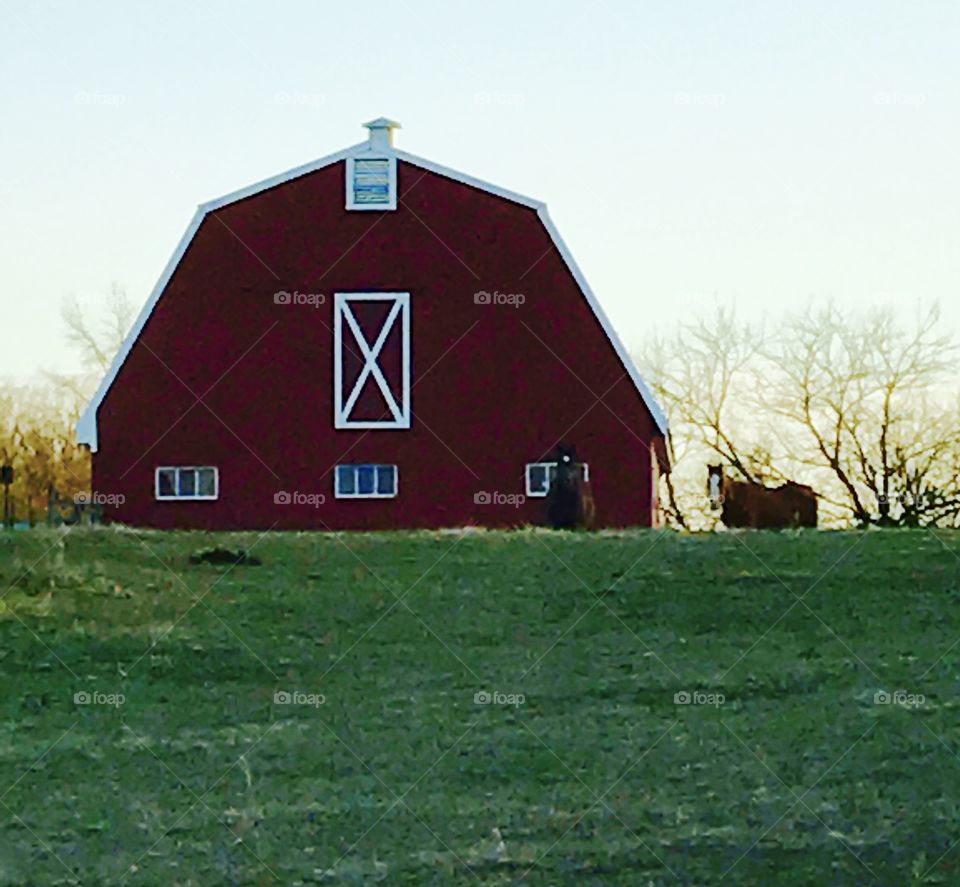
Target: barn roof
<point>381,130</point>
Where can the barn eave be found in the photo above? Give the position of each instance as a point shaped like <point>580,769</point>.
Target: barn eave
<point>87,431</point>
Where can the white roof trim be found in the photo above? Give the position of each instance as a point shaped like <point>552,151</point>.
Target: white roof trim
<point>87,424</point>
<point>282,178</point>
<point>469,180</point>
<point>628,364</point>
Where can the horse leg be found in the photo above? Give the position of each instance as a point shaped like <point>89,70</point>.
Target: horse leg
<point>586,507</point>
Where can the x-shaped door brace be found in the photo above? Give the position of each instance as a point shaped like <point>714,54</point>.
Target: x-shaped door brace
<point>400,412</point>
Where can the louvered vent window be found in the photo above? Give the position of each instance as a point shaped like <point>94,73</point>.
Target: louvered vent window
<point>371,183</point>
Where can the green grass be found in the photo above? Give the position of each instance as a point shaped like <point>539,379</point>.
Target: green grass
<point>399,777</point>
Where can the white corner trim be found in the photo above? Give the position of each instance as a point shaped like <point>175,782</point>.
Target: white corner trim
<point>87,424</point>
<point>628,364</point>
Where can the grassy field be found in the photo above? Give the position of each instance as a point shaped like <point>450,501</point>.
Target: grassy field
<point>186,766</point>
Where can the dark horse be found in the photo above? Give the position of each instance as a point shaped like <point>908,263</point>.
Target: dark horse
<point>569,500</point>
<point>753,505</point>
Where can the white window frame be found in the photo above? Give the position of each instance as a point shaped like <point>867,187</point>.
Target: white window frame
<point>343,403</point>
<point>391,183</point>
<point>356,467</point>
<point>176,485</point>
<point>540,494</point>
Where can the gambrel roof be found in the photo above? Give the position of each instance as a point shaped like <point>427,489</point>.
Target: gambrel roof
<point>87,425</point>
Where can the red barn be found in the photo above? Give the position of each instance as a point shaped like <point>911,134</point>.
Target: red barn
<point>370,341</point>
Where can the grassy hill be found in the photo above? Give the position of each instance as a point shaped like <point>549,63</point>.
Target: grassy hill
<point>189,767</point>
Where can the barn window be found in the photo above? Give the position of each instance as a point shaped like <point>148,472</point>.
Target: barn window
<point>187,482</point>
<point>365,482</point>
<point>539,476</point>
<point>371,183</point>
<point>371,360</point>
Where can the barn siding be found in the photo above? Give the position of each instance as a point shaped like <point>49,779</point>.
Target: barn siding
<point>497,400</point>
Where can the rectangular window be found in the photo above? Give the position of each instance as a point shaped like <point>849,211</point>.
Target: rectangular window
<point>365,482</point>
<point>371,183</point>
<point>187,482</point>
<point>539,476</point>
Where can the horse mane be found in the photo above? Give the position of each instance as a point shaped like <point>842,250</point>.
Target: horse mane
<point>570,502</point>
<point>751,504</point>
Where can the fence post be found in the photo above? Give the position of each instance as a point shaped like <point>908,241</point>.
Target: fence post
<point>6,478</point>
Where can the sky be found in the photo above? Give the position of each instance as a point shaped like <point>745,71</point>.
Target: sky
<point>759,154</point>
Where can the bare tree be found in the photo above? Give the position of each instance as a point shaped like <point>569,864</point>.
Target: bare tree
<point>868,398</point>
<point>863,408</point>
<point>703,377</point>
<point>700,376</point>
<point>95,343</point>
<point>97,347</point>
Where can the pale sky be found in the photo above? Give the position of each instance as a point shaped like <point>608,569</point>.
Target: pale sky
<point>759,153</point>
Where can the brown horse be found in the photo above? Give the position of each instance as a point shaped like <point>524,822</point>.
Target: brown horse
<point>753,505</point>
<point>569,501</point>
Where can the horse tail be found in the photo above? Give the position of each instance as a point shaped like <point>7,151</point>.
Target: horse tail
<point>588,507</point>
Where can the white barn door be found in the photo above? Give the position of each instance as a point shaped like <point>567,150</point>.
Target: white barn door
<point>364,340</point>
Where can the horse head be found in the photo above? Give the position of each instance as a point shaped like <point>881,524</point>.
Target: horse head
<point>568,468</point>
<point>715,485</point>
<point>563,499</point>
